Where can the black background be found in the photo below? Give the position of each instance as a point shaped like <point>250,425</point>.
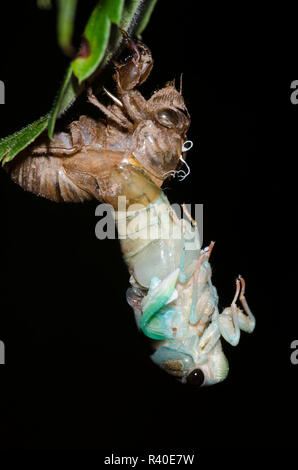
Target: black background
<point>78,374</point>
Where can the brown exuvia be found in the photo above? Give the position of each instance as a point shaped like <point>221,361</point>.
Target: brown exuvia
<point>138,136</point>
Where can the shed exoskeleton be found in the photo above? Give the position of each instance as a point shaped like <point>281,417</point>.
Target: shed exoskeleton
<point>78,165</point>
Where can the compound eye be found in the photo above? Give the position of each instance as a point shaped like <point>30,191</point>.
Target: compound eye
<point>167,117</point>
<point>196,377</point>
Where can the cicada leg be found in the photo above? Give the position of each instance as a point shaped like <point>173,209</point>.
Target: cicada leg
<point>132,73</point>
<point>232,319</point>
<point>247,322</point>
<point>66,144</point>
<point>117,117</point>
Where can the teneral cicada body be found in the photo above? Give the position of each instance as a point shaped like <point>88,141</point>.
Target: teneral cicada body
<point>174,300</point>
<point>129,155</point>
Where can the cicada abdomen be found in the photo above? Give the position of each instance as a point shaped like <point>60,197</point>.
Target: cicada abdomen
<point>70,168</point>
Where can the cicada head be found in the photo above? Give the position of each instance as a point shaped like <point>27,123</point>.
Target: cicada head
<point>189,368</point>
<point>169,109</point>
<point>158,140</point>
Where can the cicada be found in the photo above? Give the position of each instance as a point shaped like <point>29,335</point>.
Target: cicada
<point>129,151</point>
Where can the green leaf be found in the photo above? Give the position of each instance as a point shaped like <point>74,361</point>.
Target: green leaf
<point>96,37</point>
<point>146,17</point>
<point>57,105</point>
<point>65,23</point>
<point>131,15</point>
<point>10,146</point>
<point>133,12</point>
<point>70,89</point>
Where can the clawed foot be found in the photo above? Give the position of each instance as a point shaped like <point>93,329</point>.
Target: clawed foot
<point>232,319</point>
<point>135,70</point>
<point>119,118</point>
